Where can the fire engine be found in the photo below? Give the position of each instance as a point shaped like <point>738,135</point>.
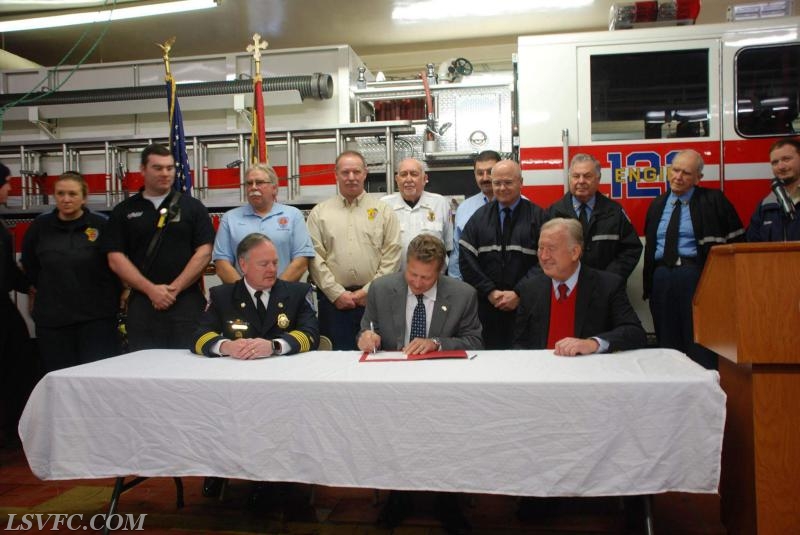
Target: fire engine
<point>634,98</point>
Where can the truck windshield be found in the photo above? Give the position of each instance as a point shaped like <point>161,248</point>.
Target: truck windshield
<point>767,90</point>
<point>647,95</point>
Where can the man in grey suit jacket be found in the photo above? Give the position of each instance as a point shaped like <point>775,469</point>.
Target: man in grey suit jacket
<point>442,312</point>
<point>572,308</point>
<point>419,311</point>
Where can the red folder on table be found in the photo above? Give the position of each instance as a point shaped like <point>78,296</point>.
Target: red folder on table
<point>398,356</point>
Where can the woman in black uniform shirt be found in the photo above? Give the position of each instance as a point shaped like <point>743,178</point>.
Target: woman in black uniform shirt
<point>77,295</point>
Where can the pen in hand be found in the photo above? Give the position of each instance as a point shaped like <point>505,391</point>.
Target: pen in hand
<point>372,328</point>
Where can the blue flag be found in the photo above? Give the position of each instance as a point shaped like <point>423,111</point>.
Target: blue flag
<point>177,141</point>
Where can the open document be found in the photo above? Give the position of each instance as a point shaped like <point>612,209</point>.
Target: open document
<point>395,356</point>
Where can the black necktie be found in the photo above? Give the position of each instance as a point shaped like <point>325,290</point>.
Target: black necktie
<point>583,217</point>
<point>671,240</point>
<point>260,308</point>
<point>506,225</point>
<point>418,320</point>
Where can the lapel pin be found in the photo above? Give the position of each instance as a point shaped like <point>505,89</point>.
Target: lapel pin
<point>280,305</point>
<point>242,305</point>
<point>444,308</point>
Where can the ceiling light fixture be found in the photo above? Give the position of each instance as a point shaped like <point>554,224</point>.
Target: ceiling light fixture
<point>431,10</point>
<point>120,13</point>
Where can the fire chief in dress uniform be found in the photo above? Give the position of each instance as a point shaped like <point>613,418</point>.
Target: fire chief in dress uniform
<point>259,315</point>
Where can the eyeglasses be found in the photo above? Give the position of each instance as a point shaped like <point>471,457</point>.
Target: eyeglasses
<point>257,183</point>
<point>412,174</point>
<point>503,183</point>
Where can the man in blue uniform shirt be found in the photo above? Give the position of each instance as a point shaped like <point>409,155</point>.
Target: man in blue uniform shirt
<point>283,224</point>
<point>483,176</point>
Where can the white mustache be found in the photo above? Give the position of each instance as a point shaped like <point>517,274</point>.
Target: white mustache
<point>255,194</point>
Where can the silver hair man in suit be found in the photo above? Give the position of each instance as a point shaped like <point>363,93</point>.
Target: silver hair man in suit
<point>419,311</point>
<point>572,308</point>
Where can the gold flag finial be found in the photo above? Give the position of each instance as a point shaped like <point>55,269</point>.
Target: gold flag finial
<point>166,46</point>
<point>256,48</point>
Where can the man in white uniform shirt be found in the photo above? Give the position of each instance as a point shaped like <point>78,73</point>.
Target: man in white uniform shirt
<point>417,210</point>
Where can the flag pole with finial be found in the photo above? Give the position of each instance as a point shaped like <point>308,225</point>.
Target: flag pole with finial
<point>177,139</point>
<point>258,141</point>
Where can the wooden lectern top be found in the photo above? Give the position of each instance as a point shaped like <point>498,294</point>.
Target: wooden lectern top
<point>747,303</point>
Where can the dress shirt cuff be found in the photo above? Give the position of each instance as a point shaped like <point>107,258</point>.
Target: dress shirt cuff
<point>603,345</point>
<point>285,347</point>
<point>215,349</point>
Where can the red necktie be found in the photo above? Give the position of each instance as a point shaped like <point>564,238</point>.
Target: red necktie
<point>562,291</point>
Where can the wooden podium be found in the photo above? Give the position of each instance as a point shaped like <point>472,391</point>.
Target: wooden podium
<point>747,309</point>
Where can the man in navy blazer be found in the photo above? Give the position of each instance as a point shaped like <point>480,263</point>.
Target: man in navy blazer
<point>570,307</point>
<point>450,307</point>
<point>258,315</point>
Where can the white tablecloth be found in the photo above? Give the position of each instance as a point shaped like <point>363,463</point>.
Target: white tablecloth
<point>510,422</point>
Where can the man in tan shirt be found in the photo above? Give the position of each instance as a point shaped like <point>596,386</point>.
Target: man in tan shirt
<point>357,239</point>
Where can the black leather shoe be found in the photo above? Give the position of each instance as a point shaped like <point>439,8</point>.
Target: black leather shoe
<point>448,512</point>
<point>212,486</point>
<point>397,508</point>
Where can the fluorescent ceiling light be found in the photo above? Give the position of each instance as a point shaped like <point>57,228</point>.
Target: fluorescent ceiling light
<point>429,10</point>
<point>120,13</point>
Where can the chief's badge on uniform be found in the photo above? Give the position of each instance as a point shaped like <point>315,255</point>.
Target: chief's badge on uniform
<point>283,321</point>
<point>371,213</point>
<point>91,233</point>
<point>431,216</point>
<point>238,328</point>
<point>283,221</point>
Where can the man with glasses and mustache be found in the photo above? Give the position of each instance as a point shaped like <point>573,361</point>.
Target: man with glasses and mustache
<point>284,225</point>
<point>498,249</point>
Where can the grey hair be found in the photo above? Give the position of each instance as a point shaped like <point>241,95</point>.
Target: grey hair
<point>698,158</point>
<point>421,164</point>
<point>583,157</point>
<point>270,172</point>
<point>248,243</point>
<point>572,226</point>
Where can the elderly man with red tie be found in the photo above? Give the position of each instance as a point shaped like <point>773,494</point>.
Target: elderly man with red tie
<point>572,308</point>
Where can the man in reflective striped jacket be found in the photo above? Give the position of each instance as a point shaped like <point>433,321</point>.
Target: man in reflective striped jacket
<point>610,243</point>
<point>498,249</point>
